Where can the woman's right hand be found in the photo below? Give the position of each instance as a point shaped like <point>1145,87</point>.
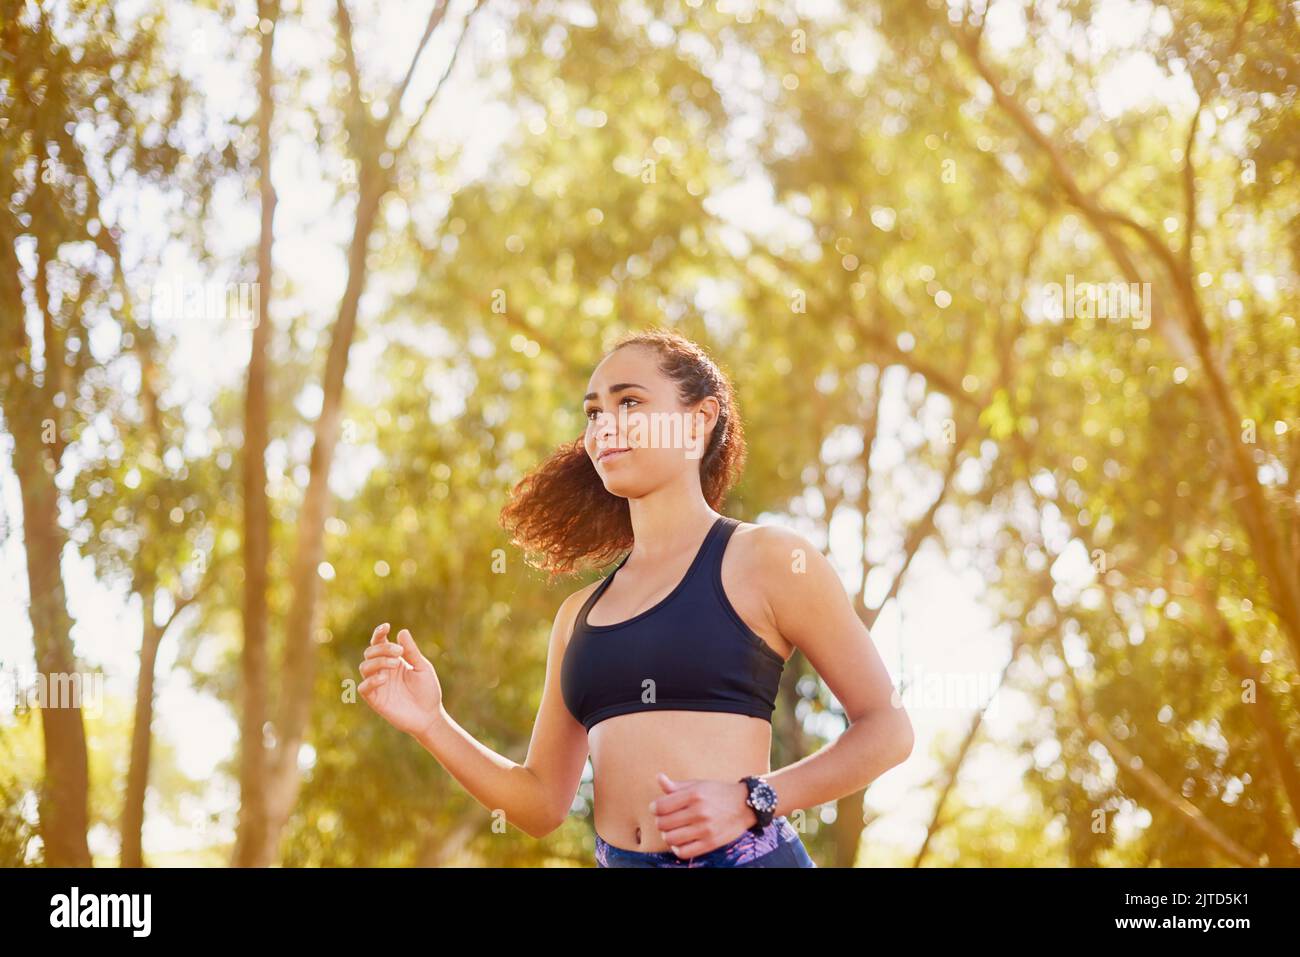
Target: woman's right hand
<point>400,682</point>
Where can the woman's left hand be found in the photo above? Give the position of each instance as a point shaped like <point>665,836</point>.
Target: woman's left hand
<point>696,817</point>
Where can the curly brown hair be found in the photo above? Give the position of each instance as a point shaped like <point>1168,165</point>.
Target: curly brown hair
<point>562,515</point>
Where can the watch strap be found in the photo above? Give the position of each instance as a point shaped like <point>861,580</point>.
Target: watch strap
<point>763,815</point>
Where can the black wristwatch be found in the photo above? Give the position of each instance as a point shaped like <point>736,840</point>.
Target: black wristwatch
<point>762,799</point>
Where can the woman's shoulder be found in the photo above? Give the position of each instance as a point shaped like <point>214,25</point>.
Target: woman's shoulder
<point>567,615</point>
<point>785,567</point>
<point>771,547</point>
<point>575,599</point>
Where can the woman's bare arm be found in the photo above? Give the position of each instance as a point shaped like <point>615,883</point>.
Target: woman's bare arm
<point>809,606</point>
<point>536,795</point>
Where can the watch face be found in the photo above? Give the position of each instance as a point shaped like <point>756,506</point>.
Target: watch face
<point>763,797</point>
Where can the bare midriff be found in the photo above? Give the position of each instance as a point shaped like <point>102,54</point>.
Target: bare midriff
<point>629,750</point>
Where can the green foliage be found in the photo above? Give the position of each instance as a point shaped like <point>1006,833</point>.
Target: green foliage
<point>935,178</point>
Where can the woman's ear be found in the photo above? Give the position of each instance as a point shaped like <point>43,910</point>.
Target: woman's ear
<point>712,411</point>
<point>703,419</point>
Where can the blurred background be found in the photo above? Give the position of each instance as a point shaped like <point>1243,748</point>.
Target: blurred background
<point>292,293</point>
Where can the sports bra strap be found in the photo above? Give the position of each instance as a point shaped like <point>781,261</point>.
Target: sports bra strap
<point>598,591</point>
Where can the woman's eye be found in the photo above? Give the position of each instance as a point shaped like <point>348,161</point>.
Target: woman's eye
<point>626,398</point>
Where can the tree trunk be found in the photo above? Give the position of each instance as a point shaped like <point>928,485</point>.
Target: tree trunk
<point>252,828</point>
<point>137,777</point>
<point>274,776</point>
<point>299,671</point>
<point>63,806</point>
<point>848,828</point>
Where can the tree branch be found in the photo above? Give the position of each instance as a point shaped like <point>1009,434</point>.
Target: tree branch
<point>1189,190</point>
<point>1252,505</point>
<point>953,770</point>
<point>400,148</point>
<point>349,55</point>
<point>923,527</point>
<point>395,98</point>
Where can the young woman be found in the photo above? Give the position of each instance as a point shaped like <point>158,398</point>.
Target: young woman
<point>667,670</point>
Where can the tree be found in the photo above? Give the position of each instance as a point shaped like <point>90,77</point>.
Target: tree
<point>376,145</point>
<point>87,104</point>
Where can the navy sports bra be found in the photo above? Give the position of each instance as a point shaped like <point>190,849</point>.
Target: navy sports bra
<point>689,652</point>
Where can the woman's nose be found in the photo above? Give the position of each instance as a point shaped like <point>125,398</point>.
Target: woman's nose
<point>606,424</point>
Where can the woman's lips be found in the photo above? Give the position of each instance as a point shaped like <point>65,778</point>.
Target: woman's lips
<point>609,454</point>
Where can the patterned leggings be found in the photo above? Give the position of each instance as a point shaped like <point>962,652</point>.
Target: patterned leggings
<point>777,846</point>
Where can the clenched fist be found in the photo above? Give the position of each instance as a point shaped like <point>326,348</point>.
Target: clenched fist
<point>400,682</point>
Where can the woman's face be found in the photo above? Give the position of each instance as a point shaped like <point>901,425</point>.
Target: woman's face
<point>633,411</point>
